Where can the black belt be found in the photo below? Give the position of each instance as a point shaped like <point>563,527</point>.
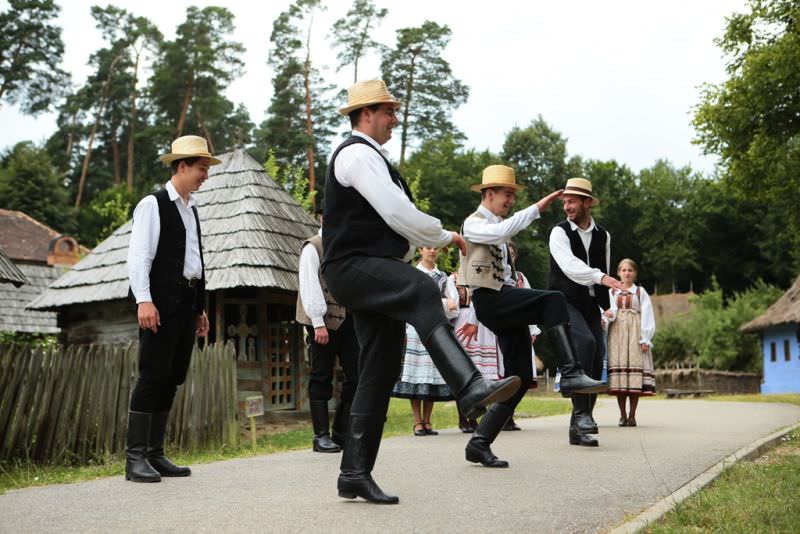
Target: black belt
<point>192,282</point>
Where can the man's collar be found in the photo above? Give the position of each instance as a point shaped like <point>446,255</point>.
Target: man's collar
<point>574,226</point>
<point>371,141</point>
<point>173,194</point>
<point>488,214</point>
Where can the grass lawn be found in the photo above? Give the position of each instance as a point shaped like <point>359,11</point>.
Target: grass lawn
<point>21,474</point>
<point>758,496</point>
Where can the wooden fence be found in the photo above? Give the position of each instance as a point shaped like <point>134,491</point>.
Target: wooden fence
<point>70,404</point>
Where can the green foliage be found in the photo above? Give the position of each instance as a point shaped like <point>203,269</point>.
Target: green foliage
<point>35,339</point>
<point>352,34</point>
<point>107,211</point>
<point>418,75</point>
<point>31,51</point>
<point>30,183</point>
<point>293,180</point>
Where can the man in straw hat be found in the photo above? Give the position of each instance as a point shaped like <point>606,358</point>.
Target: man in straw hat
<point>507,310</point>
<point>167,280</point>
<point>371,227</point>
<point>580,257</point>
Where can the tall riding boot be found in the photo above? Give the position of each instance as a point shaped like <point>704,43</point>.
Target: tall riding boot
<point>340,418</point>
<point>472,391</point>
<point>360,451</point>
<point>319,420</point>
<point>573,378</point>
<point>155,449</point>
<point>578,435</point>
<point>592,402</point>
<point>478,449</point>
<point>137,468</point>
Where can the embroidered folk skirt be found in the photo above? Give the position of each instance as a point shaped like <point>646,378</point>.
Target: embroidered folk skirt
<point>420,379</point>
<point>630,370</point>
<point>483,349</point>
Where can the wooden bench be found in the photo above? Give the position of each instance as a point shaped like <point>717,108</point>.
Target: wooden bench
<point>678,393</point>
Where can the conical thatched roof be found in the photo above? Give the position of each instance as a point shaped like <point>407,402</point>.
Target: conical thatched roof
<point>10,273</point>
<point>786,310</point>
<point>252,232</point>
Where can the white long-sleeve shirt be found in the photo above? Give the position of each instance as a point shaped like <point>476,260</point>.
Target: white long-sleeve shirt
<point>362,168</point>
<point>311,296</point>
<point>494,230</point>
<point>644,305</point>
<point>576,269</point>
<point>145,232</point>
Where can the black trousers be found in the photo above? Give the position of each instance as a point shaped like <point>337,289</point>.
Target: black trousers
<point>164,357</point>
<point>507,313</point>
<point>342,343</point>
<point>590,348</point>
<point>383,294</point>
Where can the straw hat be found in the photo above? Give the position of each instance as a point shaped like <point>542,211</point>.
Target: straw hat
<point>498,176</point>
<point>363,94</point>
<point>189,146</point>
<point>581,187</point>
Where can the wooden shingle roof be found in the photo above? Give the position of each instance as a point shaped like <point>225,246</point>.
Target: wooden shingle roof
<point>252,232</point>
<point>10,273</point>
<point>786,310</point>
<point>14,317</point>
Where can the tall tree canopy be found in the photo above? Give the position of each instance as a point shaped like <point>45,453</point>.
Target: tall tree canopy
<point>421,78</point>
<point>352,34</point>
<point>31,50</point>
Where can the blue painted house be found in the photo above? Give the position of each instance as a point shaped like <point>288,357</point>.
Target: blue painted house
<point>779,327</point>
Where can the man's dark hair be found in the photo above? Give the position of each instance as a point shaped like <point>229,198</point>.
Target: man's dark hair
<point>355,115</point>
<point>483,191</point>
<point>188,161</point>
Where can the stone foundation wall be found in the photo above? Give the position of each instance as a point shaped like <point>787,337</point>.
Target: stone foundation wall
<point>719,381</point>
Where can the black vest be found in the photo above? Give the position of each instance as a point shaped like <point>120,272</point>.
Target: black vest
<point>351,225</point>
<point>167,283</point>
<point>578,295</point>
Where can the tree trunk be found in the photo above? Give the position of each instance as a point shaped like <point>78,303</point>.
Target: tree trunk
<point>132,124</point>
<point>116,159</point>
<point>206,133</point>
<point>187,98</point>
<point>309,120</point>
<point>406,106</point>
<point>71,136</point>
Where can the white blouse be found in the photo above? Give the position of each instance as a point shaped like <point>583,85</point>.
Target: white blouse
<point>643,305</point>
<point>450,290</point>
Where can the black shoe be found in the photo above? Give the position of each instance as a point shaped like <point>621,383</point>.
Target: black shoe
<point>137,468</point>
<point>478,449</point>
<point>319,420</point>
<point>585,423</point>
<point>576,437</point>
<point>511,425</point>
<point>324,443</point>
<point>479,452</point>
<point>473,392</point>
<point>155,449</point>
<point>364,487</point>
<point>419,431</point>
<point>573,378</point>
<point>429,431</point>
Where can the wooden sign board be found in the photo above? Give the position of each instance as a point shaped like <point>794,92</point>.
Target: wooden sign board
<point>254,406</point>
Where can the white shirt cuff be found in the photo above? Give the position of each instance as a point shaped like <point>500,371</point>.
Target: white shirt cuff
<point>318,322</point>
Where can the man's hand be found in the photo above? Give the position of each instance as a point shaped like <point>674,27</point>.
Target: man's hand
<point>613,283</point>
<point>467,333</point>
<point>545,202</point>
<point>645,347</point>
<point>149,319</point>
<point>533,340</point>
<point>321,335</point>
<point>459,242</point>
<point>202,325</point>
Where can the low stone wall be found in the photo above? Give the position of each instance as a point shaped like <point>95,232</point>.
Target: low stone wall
<point>719,381</point>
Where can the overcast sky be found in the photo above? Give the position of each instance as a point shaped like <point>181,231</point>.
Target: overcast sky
<point>618,79</point>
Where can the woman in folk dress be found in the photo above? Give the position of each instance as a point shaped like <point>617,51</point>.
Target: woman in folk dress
<point>631,329</point>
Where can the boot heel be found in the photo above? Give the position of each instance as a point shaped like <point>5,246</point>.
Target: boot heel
<point>347,495</point>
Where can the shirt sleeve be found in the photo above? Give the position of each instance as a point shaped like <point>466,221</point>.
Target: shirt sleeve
<point>648,327</point>
<point>311,296</point>
<point>145,231</point>
<point>451,293</point>
<point>575,269</point>
<point>612,299</point>
<point>484,232</point>
<point>362,168</point>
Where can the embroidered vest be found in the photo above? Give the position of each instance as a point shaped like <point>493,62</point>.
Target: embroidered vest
<point>483,264</point>
<point>335,315</point>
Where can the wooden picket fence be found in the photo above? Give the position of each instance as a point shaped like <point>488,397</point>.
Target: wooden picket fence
<point>70,404</point>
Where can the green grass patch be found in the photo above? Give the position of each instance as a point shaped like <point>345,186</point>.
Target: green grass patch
<point>759,496</point>
<point>22,474</point>
<point>787,398</point>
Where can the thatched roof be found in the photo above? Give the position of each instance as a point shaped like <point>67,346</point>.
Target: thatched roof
<point>786,310</point>
<point>252,232</point>
<point>10,273</point>
<point>13,315</point>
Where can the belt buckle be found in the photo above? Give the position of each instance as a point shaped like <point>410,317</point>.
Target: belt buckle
<point>192,282</point>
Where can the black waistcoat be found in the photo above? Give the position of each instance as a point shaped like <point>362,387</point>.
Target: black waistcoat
<point>167,283</point>
<point>351,225</point>
<point>578,295</point>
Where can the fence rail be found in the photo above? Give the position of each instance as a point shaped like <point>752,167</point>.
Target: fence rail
<point>70,404</point>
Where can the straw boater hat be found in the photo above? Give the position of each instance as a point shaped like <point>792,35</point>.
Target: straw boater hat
<point>581,187</point>
<point>498,176</point>
<point>363,94</point>
<point>189,146</point>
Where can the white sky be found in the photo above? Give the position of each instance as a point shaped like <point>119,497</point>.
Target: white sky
<point>619,79</point>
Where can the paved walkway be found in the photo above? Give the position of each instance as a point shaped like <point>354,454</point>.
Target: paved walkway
<point>550,487</point>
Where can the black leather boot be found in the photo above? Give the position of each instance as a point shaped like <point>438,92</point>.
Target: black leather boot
<point>340,418</point>
<point>573,378</point>
<point>319,420</point>
<point>155,449</point>
<point>478,449</point>
<point>360,451</point>
<point>576,435</point>
<point>473,392</point>
<point>137,468</point>
<point>582,414</point>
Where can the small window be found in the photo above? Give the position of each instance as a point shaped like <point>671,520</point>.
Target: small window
<point>773,352</point>
<point>787,351</point>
